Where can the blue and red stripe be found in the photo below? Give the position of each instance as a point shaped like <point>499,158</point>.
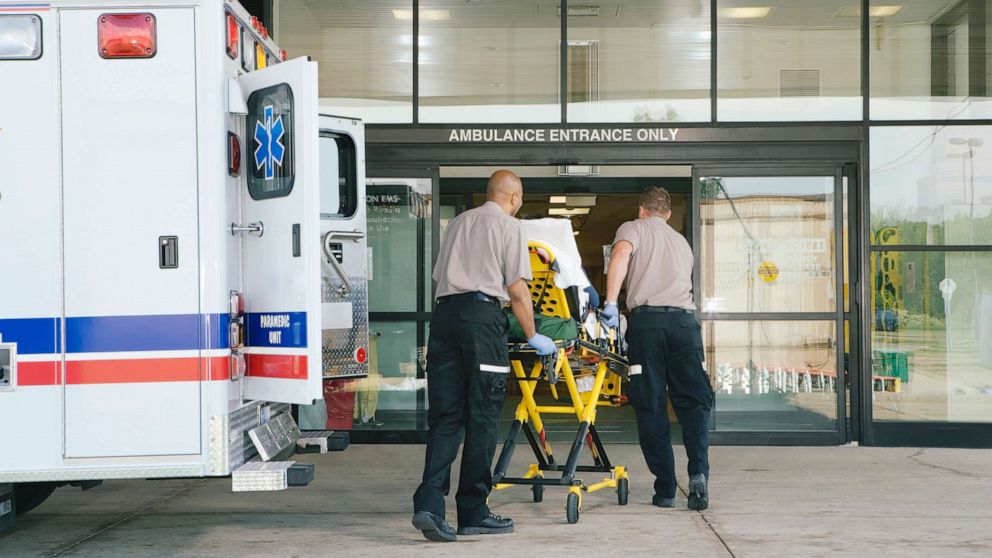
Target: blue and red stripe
<point>149,333</point>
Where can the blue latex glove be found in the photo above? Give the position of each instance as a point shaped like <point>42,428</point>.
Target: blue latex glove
<point>544,345</point>
<point>610,316</point>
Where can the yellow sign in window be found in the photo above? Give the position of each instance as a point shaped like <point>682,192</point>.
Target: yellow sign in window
<point>768,272</point>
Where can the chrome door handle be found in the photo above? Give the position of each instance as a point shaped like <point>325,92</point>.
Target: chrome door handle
<point>256,228</point>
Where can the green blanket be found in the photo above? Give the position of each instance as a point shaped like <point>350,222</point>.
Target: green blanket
<point>558,329</point>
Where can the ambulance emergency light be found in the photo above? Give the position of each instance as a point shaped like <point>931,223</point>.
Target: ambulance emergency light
<point>126,35</point>
<point>233,36</point>
<point>20,37</point>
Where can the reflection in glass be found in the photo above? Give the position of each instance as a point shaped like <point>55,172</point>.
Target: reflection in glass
<point>932,336</point>
<point>931,185</point>
<point>488,61</point>
<point>645,62</point>
<point>789,61</point>
<point>364,52</point>
<point>773,375</point>
<point>384,400</point>
<point>930,60</point>
<point>399,244</point>
<point>387,399</point>
<point>767,244</point>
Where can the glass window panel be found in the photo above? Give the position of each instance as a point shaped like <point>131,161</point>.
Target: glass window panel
<point>639,61</point>
<point>931,185</point>
<point>338,191</point>
<point>788,61</point>
<point>364,52</point>
<point>773,375</point>
<point>767,244</point>
<point>930,59</point>
<point>399,221</point>
<point>388,398</point>
<point>489,61</point>
<point>932,336</point>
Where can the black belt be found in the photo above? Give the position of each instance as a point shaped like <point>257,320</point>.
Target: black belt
<point>468,297</point>
<point>640,309</point>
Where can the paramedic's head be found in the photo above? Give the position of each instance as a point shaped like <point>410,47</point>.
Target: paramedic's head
<point>655,202</point>
<point>505,189</point>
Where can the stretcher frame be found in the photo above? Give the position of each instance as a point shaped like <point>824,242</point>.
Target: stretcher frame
<point>609,364</point>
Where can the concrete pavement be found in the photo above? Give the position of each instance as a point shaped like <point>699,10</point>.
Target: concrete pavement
<point>800,501</point>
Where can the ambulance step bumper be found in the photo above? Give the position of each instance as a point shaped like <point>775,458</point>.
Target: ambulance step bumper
<point>321,441</point>
<point>267,476</point>
<point>260,476</point>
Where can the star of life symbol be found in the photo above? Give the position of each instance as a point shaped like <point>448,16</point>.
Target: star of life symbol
<point>268,136</point>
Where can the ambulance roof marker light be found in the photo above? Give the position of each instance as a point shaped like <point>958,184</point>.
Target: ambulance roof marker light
<point>20,37</point>
<point>233,36</point>
<point>282,55</point>
<point>126,35</point>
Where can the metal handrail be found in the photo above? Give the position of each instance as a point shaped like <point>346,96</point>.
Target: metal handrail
<point>330,236</point>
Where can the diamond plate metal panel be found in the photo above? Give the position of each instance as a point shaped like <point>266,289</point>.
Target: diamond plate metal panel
<point>339,345</point>
<point>261,477</point>
<point>240,422</point>
<point>104,474</point>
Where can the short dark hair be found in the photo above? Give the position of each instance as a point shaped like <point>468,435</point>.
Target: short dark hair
<point>656,200</point>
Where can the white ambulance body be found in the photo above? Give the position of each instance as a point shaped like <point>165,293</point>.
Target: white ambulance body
<point>160,166</point>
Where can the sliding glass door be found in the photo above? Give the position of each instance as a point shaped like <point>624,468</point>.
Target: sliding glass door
<point>771,287</point>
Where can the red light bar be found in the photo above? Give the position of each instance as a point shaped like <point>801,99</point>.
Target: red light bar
<point>126,35</point>
<point>265,33</point>
<point>282,55</point>
<point>254,23</point>
<point>233,35</point>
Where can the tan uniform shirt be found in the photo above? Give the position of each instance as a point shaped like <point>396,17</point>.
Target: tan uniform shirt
<point>483,250</point>
<point>660,272</point>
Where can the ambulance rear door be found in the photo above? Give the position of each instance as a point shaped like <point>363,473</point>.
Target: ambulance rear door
<point>280,213</point>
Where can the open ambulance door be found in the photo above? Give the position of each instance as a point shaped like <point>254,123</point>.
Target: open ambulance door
<point>280,216</point>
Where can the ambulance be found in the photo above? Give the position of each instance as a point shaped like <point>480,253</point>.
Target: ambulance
<point>182,247</point>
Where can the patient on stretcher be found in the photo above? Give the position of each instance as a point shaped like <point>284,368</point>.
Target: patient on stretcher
<point>558,276</point>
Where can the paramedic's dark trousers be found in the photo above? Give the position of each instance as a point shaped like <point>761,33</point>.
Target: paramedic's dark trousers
<point>668,346</point>
<point>467,373</point>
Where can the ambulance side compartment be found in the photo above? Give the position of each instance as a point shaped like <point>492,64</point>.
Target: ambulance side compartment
<point>30,273</point>
<point>132,313</point>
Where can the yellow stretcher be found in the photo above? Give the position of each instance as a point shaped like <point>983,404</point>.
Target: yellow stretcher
<point>601,369</point>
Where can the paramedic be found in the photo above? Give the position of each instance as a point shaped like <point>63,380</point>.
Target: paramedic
<point>665,344</point>
<point>483,261</point>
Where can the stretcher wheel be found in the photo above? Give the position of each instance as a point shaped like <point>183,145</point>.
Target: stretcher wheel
<point>538,490</point>
<point>572,507</point>
<point>623,491</point>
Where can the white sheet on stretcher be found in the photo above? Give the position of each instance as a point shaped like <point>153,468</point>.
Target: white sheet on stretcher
<point>558,235</point>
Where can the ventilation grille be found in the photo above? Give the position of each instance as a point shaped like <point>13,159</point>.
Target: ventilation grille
<point>799,83</point>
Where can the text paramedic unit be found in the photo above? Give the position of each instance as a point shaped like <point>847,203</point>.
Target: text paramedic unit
<point>191,239</point>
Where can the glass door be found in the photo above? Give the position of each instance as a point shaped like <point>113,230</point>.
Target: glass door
<point>771,285</point>
<point>391,404</point>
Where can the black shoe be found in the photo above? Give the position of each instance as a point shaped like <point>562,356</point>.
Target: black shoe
<point>434,527</point>
<point>663,502</point>
<point>491,525</point>
<point>699,498</point>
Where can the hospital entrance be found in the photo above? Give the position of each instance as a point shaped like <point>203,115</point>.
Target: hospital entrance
<point>770,282</point>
